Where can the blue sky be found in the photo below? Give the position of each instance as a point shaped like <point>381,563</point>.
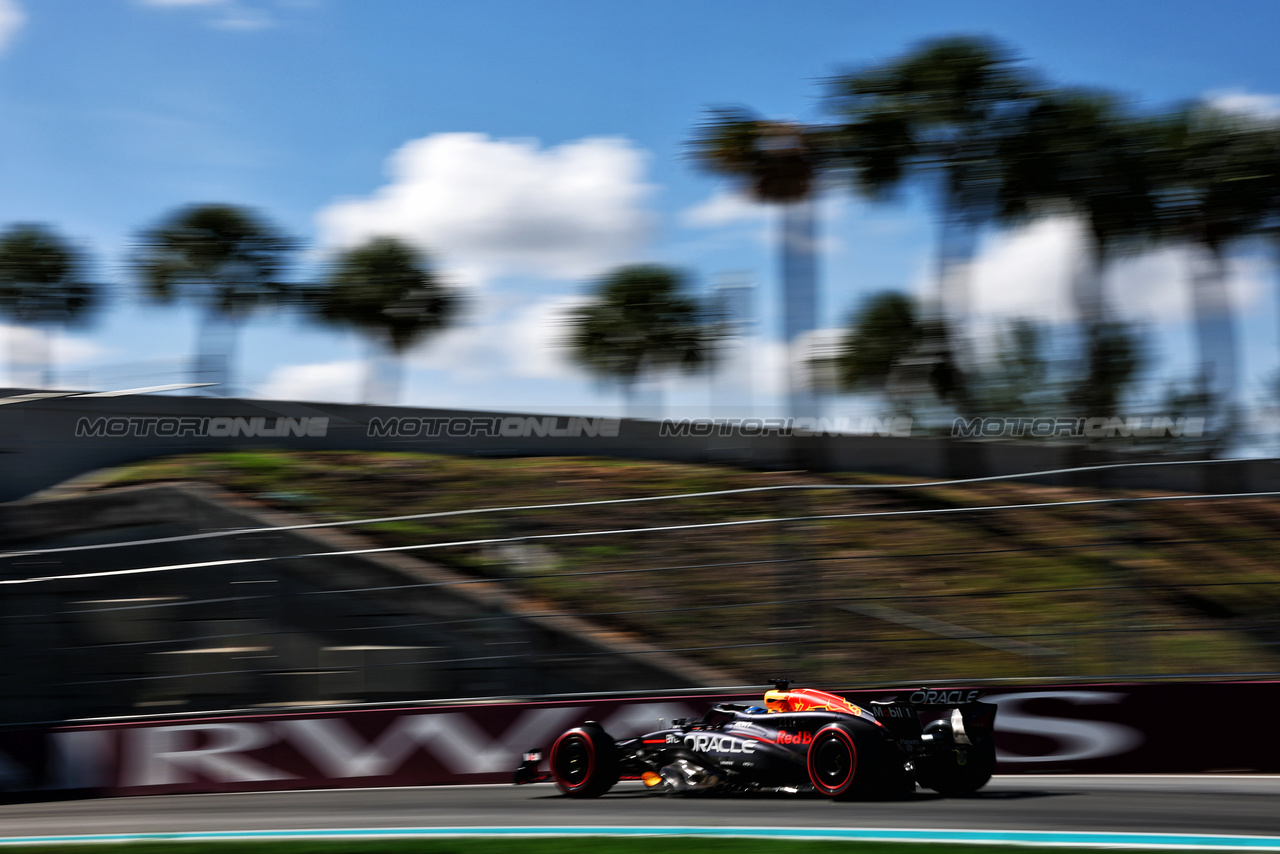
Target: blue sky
<point>531,145</point>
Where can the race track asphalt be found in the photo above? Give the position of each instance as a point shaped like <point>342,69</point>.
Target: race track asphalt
<point>1209,804</point>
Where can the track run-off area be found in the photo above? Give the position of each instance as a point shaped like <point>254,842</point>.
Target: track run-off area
<point>1200,811</point>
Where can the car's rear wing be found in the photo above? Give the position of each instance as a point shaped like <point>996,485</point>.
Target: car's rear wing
<point>905,715</point>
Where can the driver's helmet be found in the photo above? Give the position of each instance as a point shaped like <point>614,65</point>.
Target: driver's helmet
<point>777,701</point>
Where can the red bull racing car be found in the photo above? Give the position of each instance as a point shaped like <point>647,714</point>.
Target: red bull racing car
<point>800,740</point>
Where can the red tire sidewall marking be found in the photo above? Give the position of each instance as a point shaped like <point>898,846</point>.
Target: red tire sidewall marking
<point>565,785</point>
<point>853,765</point>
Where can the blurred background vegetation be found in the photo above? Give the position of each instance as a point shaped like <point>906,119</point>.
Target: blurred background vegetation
<point>963,120</point>
<point>1155,589</point>
<point>1158,589</point>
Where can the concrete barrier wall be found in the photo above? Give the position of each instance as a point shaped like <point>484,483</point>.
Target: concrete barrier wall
<point>45,441</point>
<point>1122,728</point>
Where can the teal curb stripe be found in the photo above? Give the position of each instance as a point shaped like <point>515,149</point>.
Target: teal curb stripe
<point>1005,837</point>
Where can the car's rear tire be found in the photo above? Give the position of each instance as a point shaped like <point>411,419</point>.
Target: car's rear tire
<point>958,772</point>
<point>584,762</point>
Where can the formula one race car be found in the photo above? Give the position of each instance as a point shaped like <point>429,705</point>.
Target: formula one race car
<point>802,740</point>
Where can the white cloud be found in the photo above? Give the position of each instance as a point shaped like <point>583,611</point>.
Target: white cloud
<point>502,353</point>
<point>330,382</point>
<point>241,18</point>
<point>724,207</point>
<point>1027,274</point>
<point>232,14</point>
<point>494,207</point>
<point>11,20</point>
<point>535,340</point>
<point>753,368</point>
<point>1253,104</point>
<point>26,349</point>
<point>70,350</point>
<point>528,343</point>
<point>732,207</point>
<point>64,349</point>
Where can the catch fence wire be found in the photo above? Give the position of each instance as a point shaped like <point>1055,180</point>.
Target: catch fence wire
<point>793,606</point>
<point>906,597</point>
<point>608,532</point>
<point>678,496</point>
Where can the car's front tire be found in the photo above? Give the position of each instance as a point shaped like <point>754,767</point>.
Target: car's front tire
<point>833,761</point>
<point>845,764</point>
<point>584,762</point>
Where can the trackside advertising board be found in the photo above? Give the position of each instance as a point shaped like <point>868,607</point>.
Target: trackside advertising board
<point>1163,728</point>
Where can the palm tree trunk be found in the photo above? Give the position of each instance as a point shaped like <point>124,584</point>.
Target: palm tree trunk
<point>643,399</point>
<point>215,341</point>
<point>44,359</point>
<point>24,362</point>
<point>955,254</point>
<point>730,380</point>
<point>629,399</point>
<point>15,357</point>
<point>1089,302</point>
<point>952,302</point>
<point>382,371</point>
<point>1088,294</point>
<point>1214,328</point>
<point>394,377</point>
<point>1275,271</point>
<point>799,300</point>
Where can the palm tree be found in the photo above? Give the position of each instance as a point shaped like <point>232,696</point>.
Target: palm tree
<point>42,284</point>
<point>883,332</point>
<point>779,163</point>
<point>642,322</point>
<point>387,290</point>
<point>226,260</point>
<point>937,115</point>
<point>1219,175</point>
<point>879,348</point>
<point>1114,359</point>
<point>885,348</point>
<point>1080,153</point>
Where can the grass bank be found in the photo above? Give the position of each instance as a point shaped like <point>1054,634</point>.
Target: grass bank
<point>1096,590</point>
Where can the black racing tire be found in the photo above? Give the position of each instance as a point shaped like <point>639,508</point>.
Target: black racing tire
<point>958,772</point>
<point>833,762</point>
<point>584,762</point>
<point>845,763</point>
